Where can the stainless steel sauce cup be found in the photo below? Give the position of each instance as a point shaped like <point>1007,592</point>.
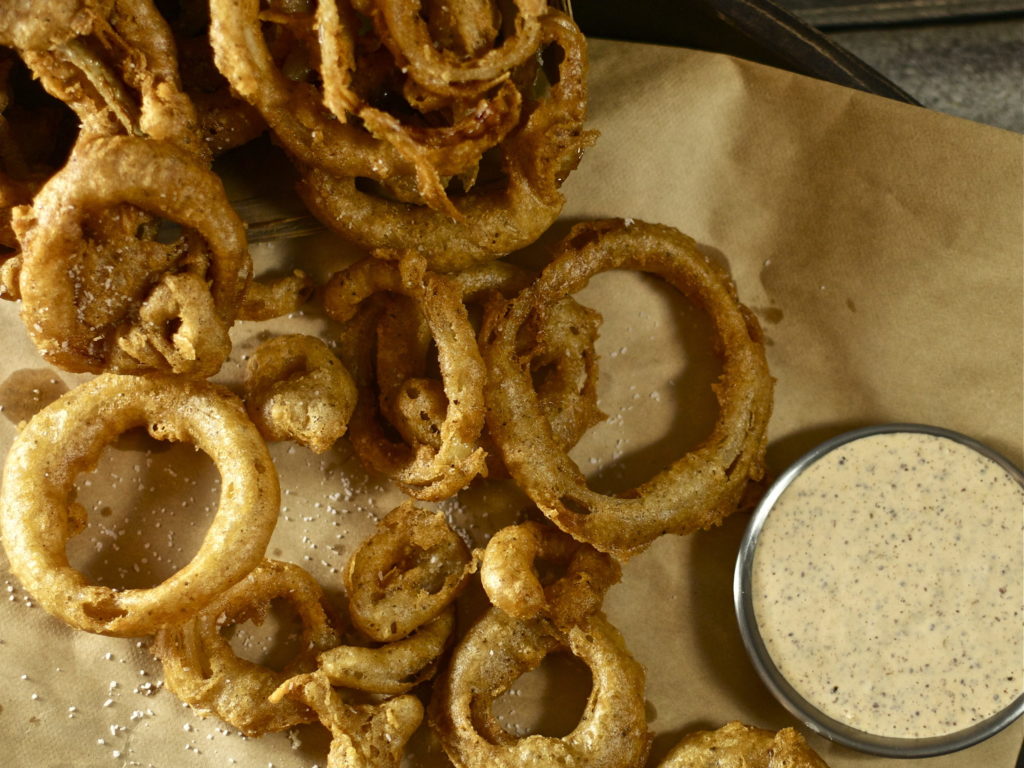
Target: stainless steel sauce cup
<point>799,707</point>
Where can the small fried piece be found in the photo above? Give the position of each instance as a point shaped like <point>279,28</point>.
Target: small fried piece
<point>699,489</point>
<point>406,574</point>
<point>496,651</point>
<point>202,669</point>
<point>394,667</point>
<point>296,389</point>
<point>508,573</point>
<point>736,745</point>
<point>266,299</point>
<point>67,437</point>
<point>362,736</point>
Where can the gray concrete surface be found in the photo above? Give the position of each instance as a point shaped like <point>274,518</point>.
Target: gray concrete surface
<point>971,69</point>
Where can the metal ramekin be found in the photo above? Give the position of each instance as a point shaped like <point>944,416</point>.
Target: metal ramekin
<point>799,707</point>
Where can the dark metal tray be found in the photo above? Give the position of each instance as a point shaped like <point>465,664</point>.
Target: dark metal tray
<point>757,30</point>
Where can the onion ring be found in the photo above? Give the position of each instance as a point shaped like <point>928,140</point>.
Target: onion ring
<point>509,575</point>
<point>738,744</point>
<point>423,471</point>
<point>495,652</point>
<point>362,736</point>
<point>297,389</point>
<point>406,574</point>
<point>89,308</point>
<point>561,354</point>
<point>202,670</point>
<point>394,667</point>
<point>492,221</point>
<point>66,438</point>
<point>695,492</point>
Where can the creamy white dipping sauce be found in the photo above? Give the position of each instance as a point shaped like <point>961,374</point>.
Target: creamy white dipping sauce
<point>888,585</point>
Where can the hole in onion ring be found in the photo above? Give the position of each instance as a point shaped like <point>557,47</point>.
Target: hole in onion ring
<point>271,640</point>
<point>663,355</point>
<point>105,610</point>
<point>548,701</point>
<point>147,485</point>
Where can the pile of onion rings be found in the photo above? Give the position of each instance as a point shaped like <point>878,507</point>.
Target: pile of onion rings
<point>416,130</point>
<point>437,136</point>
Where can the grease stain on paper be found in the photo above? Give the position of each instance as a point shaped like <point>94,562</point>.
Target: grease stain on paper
<point>27,391</point>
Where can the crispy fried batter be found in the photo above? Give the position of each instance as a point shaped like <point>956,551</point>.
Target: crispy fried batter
<point>736,745</point>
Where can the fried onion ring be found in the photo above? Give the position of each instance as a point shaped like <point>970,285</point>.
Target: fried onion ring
<point>297,389</point>
<point>99,293</point>
<point>202,670</point>
<point>697,491</point>
<point>362,736</point>
<point>406,574</point>
<point>66,438</point>
<point>509,575</point>
<point>493,220</point>
<point>561,354</point>
<point>422,470</point>
<point>496,651</point>
<point>736,744</point>
<point>394,667</point>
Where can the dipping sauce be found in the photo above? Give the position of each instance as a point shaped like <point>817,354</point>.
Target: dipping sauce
<point>888,585</point>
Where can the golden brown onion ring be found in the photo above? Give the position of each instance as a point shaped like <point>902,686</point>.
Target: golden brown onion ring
<point>394,667</point>
<point>699,489</point>
<point>296,389</point>
<point>495,652</point>
<point>423,471</point>
<point>310,125</point>
<point>406,574</point>
<point>493,219</point>
<point>202,669</point>
<point>362,736</point>
<point>743,745</point>
<point>66,438</point>
<point>509,574</point>
<point>98,293</point>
